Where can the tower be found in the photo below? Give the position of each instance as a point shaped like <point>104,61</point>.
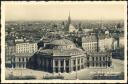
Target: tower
<point>69,19</point>
<point>70,28</point>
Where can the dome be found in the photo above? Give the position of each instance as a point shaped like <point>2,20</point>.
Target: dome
<point>59,52</point>
<point>62,42</point>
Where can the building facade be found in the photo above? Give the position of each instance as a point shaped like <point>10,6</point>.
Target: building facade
<point>20,60</point>
<point>89,43</point>
<point>26,47</point>
<point>59,56</point>
<point>63,56</point>
<point>99,60</point>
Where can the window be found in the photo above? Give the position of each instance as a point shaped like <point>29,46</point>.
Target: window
<point>92,58</point>
<point>67,62</point>
<point>103,58</point>
<point>74,62</point>
<point>108,58</point>
<point>56,63</point>
<point>49,62</point>
<point>88,58</point>
<point>62,62</point>
<point>23,59</point>
<point>100,58</point>
<point>78,61</point>
<point>19,59</point>
<point>27,59</point>
<point>93,64</point>
<point>96,58</point>
<point>82,60</point>
<point>14,59</point>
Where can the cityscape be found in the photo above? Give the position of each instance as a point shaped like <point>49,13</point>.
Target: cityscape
<point>64,49</point>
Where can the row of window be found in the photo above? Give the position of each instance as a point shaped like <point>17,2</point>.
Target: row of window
<point>26,59</point>
<point>98,64</point>
<point>30,50</point>
<point>19,65</point>
<point>29,47</point>
<point>98,58</point>
<point>64,47</point>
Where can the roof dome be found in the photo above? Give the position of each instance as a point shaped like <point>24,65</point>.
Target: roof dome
<point>62,42</point>
<point>58,52</point>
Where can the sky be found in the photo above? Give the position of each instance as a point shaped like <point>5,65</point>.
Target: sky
<point>60,11</point>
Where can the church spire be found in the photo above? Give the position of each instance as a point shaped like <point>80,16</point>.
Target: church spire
<point>69,19</point>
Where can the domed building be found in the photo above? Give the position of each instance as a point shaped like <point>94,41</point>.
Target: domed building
<point>59,56</point>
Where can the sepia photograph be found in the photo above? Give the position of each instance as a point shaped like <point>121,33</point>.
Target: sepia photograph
<point>61,42</point>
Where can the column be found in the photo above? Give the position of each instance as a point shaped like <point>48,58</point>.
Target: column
<point>47,64</point>
<point>76,64</point>
<point>71,65</point>
<point>53,66</point>
<point>42,63</point>
<point>64,66</point>
<point>59,65</point>
<point>80,63</point>
<point>84,62</point>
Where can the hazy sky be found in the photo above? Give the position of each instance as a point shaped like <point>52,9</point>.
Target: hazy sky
<point>60,11</point>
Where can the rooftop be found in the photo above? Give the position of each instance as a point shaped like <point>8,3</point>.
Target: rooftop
<point>89,38</point>
<point>58,52</point>
<point>62,42</point>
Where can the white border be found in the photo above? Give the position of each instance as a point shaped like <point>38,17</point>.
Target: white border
<point>58,81</point>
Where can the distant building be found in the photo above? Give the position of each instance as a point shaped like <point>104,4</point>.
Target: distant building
<point>9,52</point>
<point>109,43</point>
<point>26,47</point>
<point>89,43</point>
<point>19,40</point>
<point>105,43</point>
<point>107,32</point>
<point>87,30</point>
<point>121,42</point>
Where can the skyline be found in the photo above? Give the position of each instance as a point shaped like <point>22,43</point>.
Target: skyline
<point>60,11</point>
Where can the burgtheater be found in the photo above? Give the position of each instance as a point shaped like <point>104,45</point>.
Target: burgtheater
<point>62,55</point>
